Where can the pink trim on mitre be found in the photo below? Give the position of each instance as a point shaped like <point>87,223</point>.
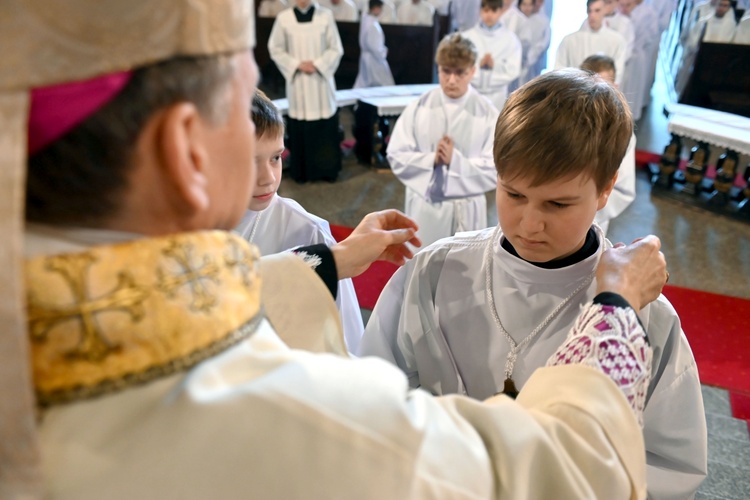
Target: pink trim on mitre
<point>57,109</point>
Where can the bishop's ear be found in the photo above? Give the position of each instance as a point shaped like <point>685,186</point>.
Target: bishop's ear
<point>183,155</point>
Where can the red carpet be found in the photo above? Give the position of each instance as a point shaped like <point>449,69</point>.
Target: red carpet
<point>717,326</point>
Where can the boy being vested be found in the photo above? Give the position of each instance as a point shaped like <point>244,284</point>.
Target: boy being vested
<point>478,313</point>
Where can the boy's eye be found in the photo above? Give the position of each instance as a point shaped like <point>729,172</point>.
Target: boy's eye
<point>514,196</point>
<point>276,158</point>
<point>558,205</point>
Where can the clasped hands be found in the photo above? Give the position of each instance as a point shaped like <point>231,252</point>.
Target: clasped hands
<point>444,152</point>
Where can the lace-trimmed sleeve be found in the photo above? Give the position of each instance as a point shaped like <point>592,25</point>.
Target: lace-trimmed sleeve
<point>320,259</point>
<point>608,336</point>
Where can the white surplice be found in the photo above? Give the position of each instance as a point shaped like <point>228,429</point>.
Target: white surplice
<point>374,70</point>
<point>664,10</point>
<point>720,29</point>
<point>536,58</point>
<point>285,225</point>
<point>621,24</point>
<point>421,14</point>
<point>271,8</point>
<point>311,97</point>
<point>742,32</point>
<point>623,193</point>
<point>505,48</point>
<point>260,420</point>
<point>639,70</point>
<point>577,46</point>
<point>345,10</point>
<point>434,322</point>
<point>444,199</point>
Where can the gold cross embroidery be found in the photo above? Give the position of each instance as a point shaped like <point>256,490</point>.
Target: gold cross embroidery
<point>191,275</point>
<point>93,346</point>
<point>240,259</point>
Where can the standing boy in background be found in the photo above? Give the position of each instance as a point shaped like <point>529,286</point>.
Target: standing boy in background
<point>441,148</point>
<point>477,313</point>
<point>374,70</point>
<point>500,53</point>
<point>623,193</point>
<point>275,224</point>
<point>305,45</point>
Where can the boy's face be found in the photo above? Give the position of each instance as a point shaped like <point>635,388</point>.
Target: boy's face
<point>722,8</point>
<point>548,222</point>
<point>527,7</point>
<point>268,151</point>
<point>626,6</point>
<point>489,16</point>
<point>455,81</point>
<point>595,11</point>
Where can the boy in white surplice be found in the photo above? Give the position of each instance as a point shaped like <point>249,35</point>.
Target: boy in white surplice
<point>477,313</point>
<point>441,148</point>
<point>275,224</point>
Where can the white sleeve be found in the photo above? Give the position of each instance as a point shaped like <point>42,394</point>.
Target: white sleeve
<point>328,61</point>
<point>675,422</point>
<point>620,56</point>
<point>279,51</point>
<point>539,46</point>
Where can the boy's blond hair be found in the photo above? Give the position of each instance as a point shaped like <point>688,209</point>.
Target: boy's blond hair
<point>561,124</point>
<point>456,51</point>
<point>266,116</point>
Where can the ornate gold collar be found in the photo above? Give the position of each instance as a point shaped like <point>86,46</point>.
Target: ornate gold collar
<point>118,315</point>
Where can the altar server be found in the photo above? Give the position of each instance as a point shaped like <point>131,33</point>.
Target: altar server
<point>500,53</point>
<point>305,45</point>
<point>274,223</point>
<point>596,38</point>
<point>464,14</point>
<point>441,148</point>
<point>539,28</point>
<point>374,70</point>
<point>637,81</point>
<point>477,313</point>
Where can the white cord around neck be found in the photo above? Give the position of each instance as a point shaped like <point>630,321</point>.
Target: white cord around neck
<point>255,228</point>
<point>489,295</point>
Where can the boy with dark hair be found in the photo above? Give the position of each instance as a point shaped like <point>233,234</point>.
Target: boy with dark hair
<point>500,53</point>
<point>274,223</point>
<point>476,314</point>
<point>441,148</point>
<point>374,70</point>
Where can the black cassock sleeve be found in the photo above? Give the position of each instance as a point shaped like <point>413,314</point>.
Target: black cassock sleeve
<point>320,259</point>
